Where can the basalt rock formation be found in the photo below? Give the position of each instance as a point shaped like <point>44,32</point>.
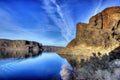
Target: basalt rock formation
<point>19,48</point>
<point>101,34</point>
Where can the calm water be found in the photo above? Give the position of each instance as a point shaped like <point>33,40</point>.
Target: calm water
<point>43,67</point>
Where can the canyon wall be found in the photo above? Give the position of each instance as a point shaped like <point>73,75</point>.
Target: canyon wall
<point>101,34</point>
<point>19,48</point>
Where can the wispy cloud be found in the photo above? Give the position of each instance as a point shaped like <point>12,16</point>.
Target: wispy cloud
<point>99,4</point>
<point>102,4</point>
<point>65,26</point>
<point>9,29</point>
<point>50,22</point>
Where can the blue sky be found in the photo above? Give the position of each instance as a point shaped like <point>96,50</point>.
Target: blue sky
<point>50,22</point>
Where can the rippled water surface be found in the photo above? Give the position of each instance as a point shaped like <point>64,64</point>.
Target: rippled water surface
<point>45,66</point>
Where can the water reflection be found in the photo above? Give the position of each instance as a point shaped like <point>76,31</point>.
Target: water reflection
<point>18,53</point>
<point>43,67</point>
<point>74,59</point>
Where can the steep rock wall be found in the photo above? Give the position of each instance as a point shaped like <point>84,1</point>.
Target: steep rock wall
<point>19,48</point>
<point>101,34</point>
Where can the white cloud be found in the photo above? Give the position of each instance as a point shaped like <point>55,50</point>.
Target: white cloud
<point>99,4</point>
<point>66,25</point>
<point>66,72</point>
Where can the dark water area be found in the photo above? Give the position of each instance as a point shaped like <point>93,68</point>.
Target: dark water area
<point>46,66</point>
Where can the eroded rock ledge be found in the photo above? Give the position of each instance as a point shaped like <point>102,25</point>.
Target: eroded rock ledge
<point>101,34</point>
<point>19,48</point>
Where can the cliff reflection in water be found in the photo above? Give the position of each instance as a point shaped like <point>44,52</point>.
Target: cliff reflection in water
<point>18,54</point>
<point>19,48</point>
<point>74,59</point>
<point>46,66</point>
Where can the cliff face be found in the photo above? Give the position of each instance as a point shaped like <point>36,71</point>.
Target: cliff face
<point>19,48</point>
<point>101,34</point>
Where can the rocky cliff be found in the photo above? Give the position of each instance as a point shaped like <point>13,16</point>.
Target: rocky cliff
<point>19,48</point>
<point>101,34</point>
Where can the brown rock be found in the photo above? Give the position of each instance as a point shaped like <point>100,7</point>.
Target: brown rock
<point>101,34</point>
<point>19,48</point>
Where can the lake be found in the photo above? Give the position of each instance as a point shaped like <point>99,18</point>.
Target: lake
<point>46,66</point>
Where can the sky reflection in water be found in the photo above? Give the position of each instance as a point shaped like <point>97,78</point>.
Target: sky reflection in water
<point>45,66</point>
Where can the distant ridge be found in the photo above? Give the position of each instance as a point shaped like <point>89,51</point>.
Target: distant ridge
<point>19,48</point>
<point>47,48</point>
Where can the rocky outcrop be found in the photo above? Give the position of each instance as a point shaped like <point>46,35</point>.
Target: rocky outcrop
<point>101,34</point>
<point>19,48</point>
<point>50,48</point>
